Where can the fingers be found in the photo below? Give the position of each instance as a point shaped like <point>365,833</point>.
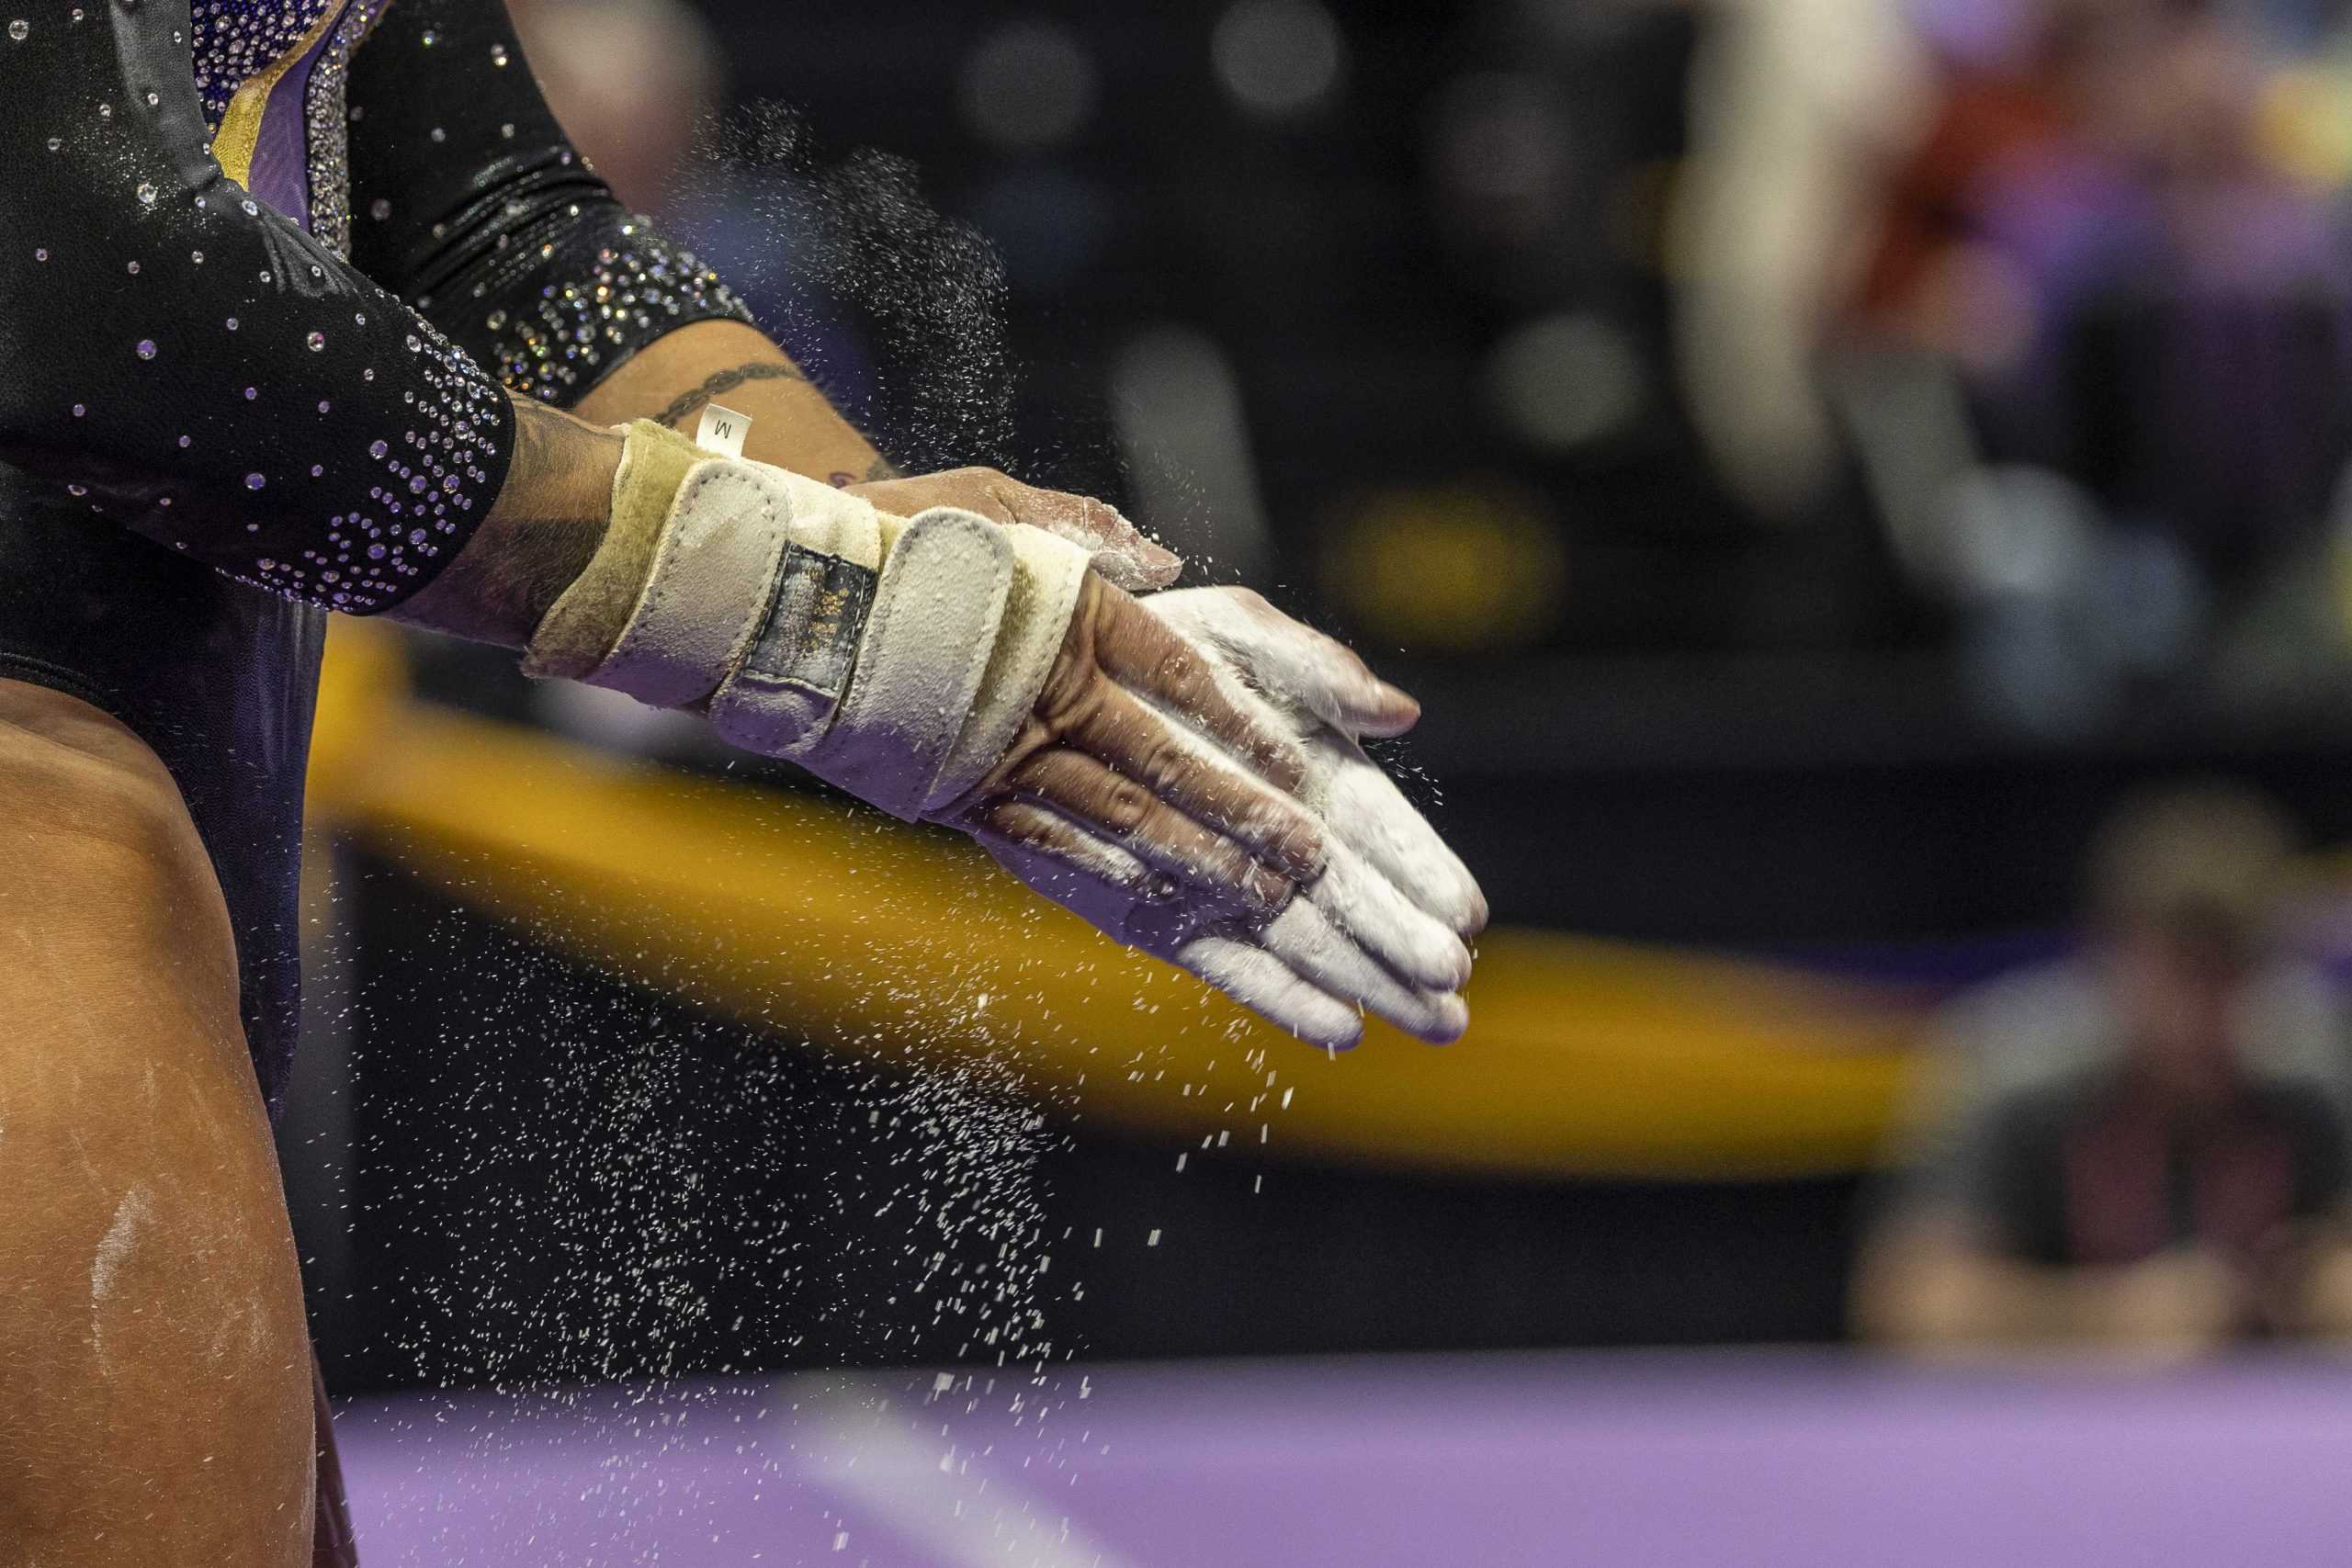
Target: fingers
<point>1373,817</point>
<point>1121,554</point>
<point>1300,970</point>
<point>1355,700</point>
<point>1350,696</point>
<point>1309,941</point>
<point>1128,816</point>
<point>1290,660</point>
<point>1276,991</point>
<point>1137,651</point>
<point>1143,757</point>
<point>1398,932</point>
<point>1069,851</point>
<point>1100,883</point>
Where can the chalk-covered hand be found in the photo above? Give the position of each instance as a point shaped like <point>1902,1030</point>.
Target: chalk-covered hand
<point>1127,760</point>
<point>1381,928</point>
<point>1134,741</point>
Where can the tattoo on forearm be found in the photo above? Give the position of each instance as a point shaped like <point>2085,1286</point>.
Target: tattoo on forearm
<point>720,383</point>
<point>880,470</point>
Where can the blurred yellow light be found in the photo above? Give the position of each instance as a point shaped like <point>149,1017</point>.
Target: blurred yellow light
<point>1453,567</point>
<point>2303,126</point>
<point>804,915</point>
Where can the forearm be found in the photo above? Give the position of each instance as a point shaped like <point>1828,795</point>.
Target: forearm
<point>1943,1296</point>
<point>192,363</point>
<point>549,519</point>
<point>672,381</point>
<point>551,513</point>
<point>1940,1298</point>
<point>2001,1300</point>
<point>2320,1301</point>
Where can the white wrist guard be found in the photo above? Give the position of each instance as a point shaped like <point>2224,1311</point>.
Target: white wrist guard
<point>894,659</point>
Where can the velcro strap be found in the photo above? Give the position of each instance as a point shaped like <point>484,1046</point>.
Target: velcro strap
<point>797,668</point>
<point>937,608</point>
<point>730,534</point>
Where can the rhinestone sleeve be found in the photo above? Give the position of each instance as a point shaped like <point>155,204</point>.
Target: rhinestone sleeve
<point>470,201</point>
<point>194,365</point>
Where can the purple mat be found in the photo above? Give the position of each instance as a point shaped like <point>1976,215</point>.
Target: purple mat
<point>1711,1460</point>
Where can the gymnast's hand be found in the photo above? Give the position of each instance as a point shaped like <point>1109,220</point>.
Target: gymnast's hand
<point>1132,741</point>
<point>1163,767</point>
<point>1381,927</point>
<point>1120,551</point>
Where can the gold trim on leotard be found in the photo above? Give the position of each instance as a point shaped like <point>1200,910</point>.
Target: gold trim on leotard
<point>234,143</point>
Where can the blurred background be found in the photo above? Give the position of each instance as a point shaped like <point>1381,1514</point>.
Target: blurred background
<point>1860,487</point>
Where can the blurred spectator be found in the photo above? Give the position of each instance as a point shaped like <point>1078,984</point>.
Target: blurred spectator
<point>2065,282</point>
<point>2146,1146</point>
<point>1797,111</point>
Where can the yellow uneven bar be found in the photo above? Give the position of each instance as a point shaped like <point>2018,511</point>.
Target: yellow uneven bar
<point>819,920</point>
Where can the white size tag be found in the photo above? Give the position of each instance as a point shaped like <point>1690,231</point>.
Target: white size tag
<point>723,430</point>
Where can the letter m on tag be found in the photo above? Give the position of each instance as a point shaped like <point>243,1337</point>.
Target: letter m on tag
<point>723,431</point>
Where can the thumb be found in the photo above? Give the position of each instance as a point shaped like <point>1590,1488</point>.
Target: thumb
<point>1124,555</point>
<point>1290,660</point>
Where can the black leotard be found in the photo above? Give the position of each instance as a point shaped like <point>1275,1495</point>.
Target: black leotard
<point>214,426</point>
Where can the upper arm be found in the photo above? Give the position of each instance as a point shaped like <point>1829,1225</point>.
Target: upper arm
<point>471,203</point>
<point>195,364</point>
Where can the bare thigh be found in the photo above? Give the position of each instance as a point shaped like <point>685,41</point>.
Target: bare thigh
<point>155,1402</point>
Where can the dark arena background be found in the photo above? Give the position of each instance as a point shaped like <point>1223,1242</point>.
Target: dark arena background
<point>1815,462</point>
